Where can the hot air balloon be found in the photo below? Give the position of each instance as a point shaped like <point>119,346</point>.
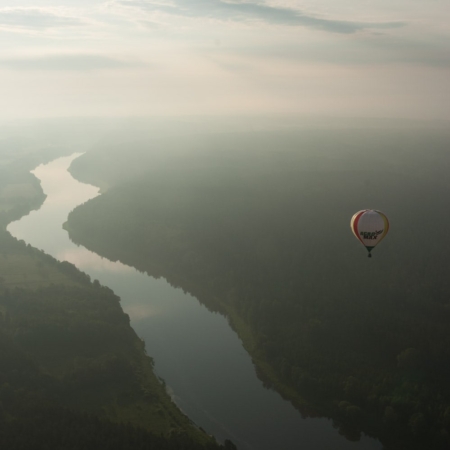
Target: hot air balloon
<point>370,227</point>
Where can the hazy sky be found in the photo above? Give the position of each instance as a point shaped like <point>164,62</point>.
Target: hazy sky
<point>381,58</point>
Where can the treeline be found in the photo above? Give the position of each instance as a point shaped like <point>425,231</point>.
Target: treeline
<point>73,373</point>
<point>14,207</point>
<point>32,417</point>
<point>41,428</point>
<point>20,191</point>
<point>263,236</point>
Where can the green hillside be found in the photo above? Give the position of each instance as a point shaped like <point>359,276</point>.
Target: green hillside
<point>73,372</point>
<point>67,345</point>
<point>256,226</point>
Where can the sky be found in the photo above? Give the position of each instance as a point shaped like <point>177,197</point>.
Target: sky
<point>115,58</point>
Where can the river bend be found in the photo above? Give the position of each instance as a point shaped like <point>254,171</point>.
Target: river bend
<point>207,371</point>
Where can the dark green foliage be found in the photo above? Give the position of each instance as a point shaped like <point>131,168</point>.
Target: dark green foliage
<point>264,237</point>
<point>19,159</point>
<point>74,321</point>
<point>68,357</point>
<point>22,206</point>
<point>69,360</point>
<point>32,418</point>
<point>44,428</point>
<point>31,415</point>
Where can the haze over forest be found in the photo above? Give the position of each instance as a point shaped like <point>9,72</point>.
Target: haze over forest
<point>196,284</point>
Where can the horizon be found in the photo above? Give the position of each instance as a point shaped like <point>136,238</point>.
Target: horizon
<point>141,57</point>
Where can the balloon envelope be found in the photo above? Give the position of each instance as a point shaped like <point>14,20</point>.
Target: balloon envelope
<point>370,227</point>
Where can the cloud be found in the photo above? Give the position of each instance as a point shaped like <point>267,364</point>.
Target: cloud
<point>78,62</point>
<point>35,19</point>
<point>372,50</point>
<point>245,11</point>
<point>409,51</point>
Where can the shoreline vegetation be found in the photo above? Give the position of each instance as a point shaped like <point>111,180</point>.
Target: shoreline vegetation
<point>74,373</point>
<point>262,236</point>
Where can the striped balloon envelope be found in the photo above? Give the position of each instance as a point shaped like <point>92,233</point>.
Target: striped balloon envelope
<point>370,227</point>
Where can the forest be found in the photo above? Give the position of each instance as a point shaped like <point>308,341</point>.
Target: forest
<point>256,226</point>
<point>73,372</point>
<point>70,358</point>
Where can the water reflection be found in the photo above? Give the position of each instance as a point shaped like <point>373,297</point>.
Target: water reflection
<point>207,371</point>
<point>65,193</point>
<point>86,260</point>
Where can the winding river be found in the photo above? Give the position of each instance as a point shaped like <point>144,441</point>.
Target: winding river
<point>207,371</point>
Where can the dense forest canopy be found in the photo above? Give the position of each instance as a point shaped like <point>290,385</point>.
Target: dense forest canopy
<point>73,373</point>
<point>256,225</point>
<point>69,357</point>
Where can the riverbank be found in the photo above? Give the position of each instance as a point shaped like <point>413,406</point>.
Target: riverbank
<point>245,235</point>
<point>76,355</point>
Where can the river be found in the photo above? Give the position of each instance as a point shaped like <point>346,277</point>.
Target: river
<point>206,369</point>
